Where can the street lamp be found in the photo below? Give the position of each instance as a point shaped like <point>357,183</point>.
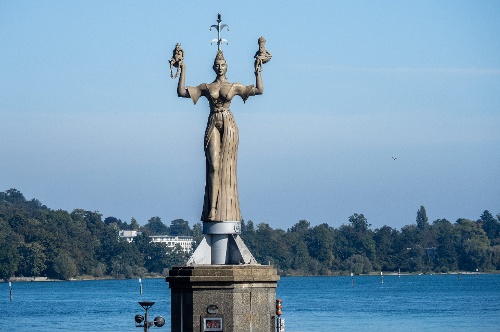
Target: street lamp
<point>141,321</point>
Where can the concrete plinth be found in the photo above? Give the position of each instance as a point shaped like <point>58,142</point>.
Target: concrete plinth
<point>241,297</point>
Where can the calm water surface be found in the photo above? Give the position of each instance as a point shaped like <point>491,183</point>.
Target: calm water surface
<point>406,303</point>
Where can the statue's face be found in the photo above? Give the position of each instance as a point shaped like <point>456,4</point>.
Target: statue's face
<point>220,67</point>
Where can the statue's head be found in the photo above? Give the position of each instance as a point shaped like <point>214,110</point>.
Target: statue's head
<point>220,65</point>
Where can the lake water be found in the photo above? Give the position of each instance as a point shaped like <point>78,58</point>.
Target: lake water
<point>406,303</point>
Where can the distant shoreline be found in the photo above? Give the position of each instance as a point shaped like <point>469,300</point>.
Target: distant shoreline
<point>372,274</point>
<point>79,278</point>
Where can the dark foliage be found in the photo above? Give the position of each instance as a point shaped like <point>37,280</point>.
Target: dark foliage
<point>37,241</point>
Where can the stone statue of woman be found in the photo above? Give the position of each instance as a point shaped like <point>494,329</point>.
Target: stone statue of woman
<point>221,139</point>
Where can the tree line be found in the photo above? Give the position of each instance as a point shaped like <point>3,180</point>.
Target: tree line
<point>437,247</point>
<point>36,241</point>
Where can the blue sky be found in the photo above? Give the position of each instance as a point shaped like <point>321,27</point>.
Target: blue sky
<point>89,117</point>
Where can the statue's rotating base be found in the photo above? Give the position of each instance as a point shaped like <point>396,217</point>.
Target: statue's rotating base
<point>234,297</point>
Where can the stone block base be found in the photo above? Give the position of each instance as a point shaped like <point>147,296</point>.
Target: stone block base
<point>241,297</point>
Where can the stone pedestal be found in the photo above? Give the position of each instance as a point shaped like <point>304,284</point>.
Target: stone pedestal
<point>241,297</point>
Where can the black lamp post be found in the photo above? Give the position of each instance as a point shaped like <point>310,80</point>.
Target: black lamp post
<point>141,321</point>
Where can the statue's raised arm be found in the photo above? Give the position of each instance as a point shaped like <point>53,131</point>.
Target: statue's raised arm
<point>177,61</point>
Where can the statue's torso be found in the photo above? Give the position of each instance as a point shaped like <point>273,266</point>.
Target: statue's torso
<point>219,95</point>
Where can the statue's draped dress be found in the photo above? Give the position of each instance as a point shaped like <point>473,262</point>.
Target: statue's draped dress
<point>221,119</point>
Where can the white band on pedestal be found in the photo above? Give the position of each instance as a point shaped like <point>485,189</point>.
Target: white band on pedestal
<point>221,227</point>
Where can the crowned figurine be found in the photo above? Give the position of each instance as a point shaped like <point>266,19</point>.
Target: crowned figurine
<point>262,55</point>
<point>176,60</point>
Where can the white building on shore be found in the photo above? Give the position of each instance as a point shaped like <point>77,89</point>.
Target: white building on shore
<point>186,242</point>
<point>129,235</point>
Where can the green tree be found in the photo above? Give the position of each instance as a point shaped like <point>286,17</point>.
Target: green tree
<point>63,267</point>
<point>416,258</point>
<point>32,262</point>
<point>422,220</point>
<point>361,237</point>
<point>133,224</point>
<point>265,240</point>
<point>85,237</point>
<point>490,225</point>
<point>446,254</point>
<point>300,243</point>
<point>301,228</point>
<point>472,245</point>
<point>300,260</point>
<point>343,249</point>
<point>155,227</point>
<point>385,238</point>
<point>99,270</point>
<point>157,258</point>
<point>247,227</point>
<point>269,246</point>
<point>115,253</point>
<point>197,233</point>
<point>411,254</point>
<point>320,243</point>
<point>358,264</point>
<point>180,227</point>
<point>175,257</point>
<point>9,255</point>
<point>14,196</point>
<point>495,257</point>
<point>249,237</point>
<point>116,223</point>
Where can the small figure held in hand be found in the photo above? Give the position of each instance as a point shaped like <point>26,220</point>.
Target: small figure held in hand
<point>262,55</point>
<point>176,60</point>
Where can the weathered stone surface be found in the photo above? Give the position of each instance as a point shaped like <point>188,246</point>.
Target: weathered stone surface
<point>244,295</point>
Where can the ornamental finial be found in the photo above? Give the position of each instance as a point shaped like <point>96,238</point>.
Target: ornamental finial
<point>219,28</point>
